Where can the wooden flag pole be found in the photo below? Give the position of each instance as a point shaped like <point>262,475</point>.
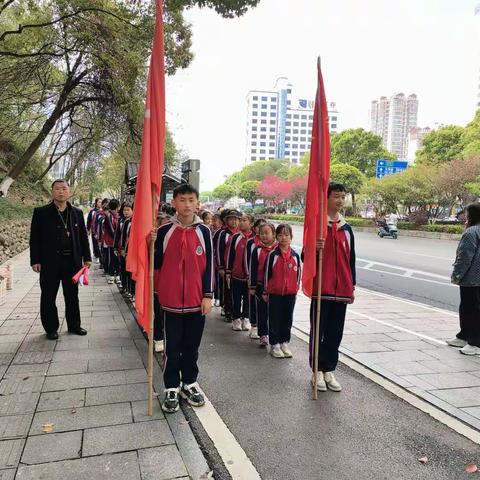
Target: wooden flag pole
<point>151,313</point>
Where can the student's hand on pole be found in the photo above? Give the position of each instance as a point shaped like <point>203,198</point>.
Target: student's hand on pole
<point>87,264</point>
<point>153,236</point>
<point>265,297</point>
<point>206,306</point>
<point>251,291</point>
<point>36,268</point>
<point>228,279</point>
<point>221,272</point>
<point>320,245</point>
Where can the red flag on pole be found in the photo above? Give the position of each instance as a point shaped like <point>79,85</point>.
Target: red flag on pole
<point>150,170</point>
<point>315,225</point>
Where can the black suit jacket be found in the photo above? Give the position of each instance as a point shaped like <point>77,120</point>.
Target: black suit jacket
<point>43,234</point>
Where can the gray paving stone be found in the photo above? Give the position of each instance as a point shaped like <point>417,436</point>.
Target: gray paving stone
<point>13,426</point>
<point>386,357</point>
<point>111,342</point>
<point>83,380</point>
<point>161,463</point>
<point>71,343</point>
<point>364,347</point>
<point>474,411</point>
<point>8,347</point>
<point>11,338</point>
<point>6,358</point>
<point>119,438</point>
<point>27,370</point>
<point>22,358</point>
<point>10,451</point>
<point>7,474</point>
<point>136,376</point>
<point>116,394</point>
<point>459,397</point>
<point>61,400</point>
<point>18,403</point>
<point>105,365</point>
<point>139,409</point>
<point>451,366</point>
<point>407,345</point>
<point>84,417</point>
<point>17,329</point>
<point>122,466</point>
<point>451,380</point>
<point>405,368</point>
<point>88,354</point>
<point>21,384</point>
<point>68,368</point>
<point>52,447</point>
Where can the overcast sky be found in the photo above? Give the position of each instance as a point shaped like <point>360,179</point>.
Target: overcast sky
<point>368,48</point>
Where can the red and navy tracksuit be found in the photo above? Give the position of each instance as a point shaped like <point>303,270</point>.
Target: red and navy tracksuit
<point>99,220</point>
<point>183,278</point>
<point>338,284</point>
<point>256,280</point>
<point>125,276</point>
<point>251,245</point>
<point>282,280</point>
<point>238,275</point>
<point>218,289</point>
<point>91,220</point>
<point>221,257</point>
<point>110,223</point>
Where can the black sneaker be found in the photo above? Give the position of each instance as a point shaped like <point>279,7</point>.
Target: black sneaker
<point>170,403</point>
<point>193,395</point>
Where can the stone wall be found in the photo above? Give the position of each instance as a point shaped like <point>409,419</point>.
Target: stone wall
<point>14,236</point>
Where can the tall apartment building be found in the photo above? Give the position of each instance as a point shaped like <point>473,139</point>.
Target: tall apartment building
<point>393,118</point>
<point>279,125</point>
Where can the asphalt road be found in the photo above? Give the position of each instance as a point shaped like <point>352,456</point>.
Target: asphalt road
<point>417,269</point>
<point>363,433</point>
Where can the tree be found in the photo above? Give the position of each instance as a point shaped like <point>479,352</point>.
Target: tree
<point>441,146</point>
<point>224,192</point>
<point>254,171</point>
<point>349,176</point>
<point>383,194</point>
<point>360,149</point>
<point>248,190</point>
<point>274,190</point>
<point>471,136</point>
<point>298,190</point>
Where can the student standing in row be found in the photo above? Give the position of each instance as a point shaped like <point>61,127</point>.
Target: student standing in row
<point>218,227</point>
<point>91,217</point>
<point>125,276</point>
<point>109,226</point>
<point>282,280</point>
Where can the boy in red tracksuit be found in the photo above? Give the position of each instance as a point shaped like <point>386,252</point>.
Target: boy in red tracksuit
<point>108,235</point>
<point>338,290</point>
<point>282,280</point>
<point>184,285</point>
<point>236,274</point>
<point>257,275</point>
<point>218,227</point>
<point>252,244</point>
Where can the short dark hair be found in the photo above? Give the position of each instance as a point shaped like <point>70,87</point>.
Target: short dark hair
<point>205,213</point>
<point>258,222</point>
<point>473,212</point>
<point>96,201</point>
<point>284,228</point>
<point>59,180</point>
<point>271,226</point>
<point>250,217</point>
<point>335,187</point>
<point>105,201</point>
<point>185,188</point>
<point>113,204</point>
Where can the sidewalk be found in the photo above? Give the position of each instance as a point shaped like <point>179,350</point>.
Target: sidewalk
<point>405,342</point>
<point>76,407</point>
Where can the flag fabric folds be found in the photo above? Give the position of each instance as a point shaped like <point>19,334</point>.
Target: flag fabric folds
<point>317,187</point>
<point>150,170</point>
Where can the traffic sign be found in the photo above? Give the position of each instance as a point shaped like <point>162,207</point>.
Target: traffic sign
<point>390,167</point>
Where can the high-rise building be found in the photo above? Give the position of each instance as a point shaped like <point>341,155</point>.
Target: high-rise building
<point>415,138</point>
<point>393,118</point>
<point>279,125</point>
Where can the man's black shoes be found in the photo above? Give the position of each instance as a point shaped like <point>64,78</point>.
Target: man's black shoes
<point>78,331</point>
<point>52,336</point>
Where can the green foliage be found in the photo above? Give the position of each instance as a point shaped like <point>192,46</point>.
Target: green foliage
<point>360,149</point>
<point>286,217</point>
<point>224,192</point>
<point>471,136</point>
<point>441,146</point>
<point>458,229</point>
<point>248,190</point>
<point>11,209</point>
<point>348,175</point>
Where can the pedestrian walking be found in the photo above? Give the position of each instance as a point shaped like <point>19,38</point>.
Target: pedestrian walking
<point>466,274</point>
<point>338,286</point>
<point>282,281</point>
<point>184,285</point>
<point>58,250</point>
<point>257,276</point>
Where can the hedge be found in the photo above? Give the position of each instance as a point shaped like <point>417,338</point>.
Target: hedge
<point>355,222</point>
<point>443,228</point>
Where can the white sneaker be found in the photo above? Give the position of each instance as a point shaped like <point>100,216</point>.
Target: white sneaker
<point>254,333</point>
<point>216,303</point>
<point>118,281</point>
<point>158,345</point>
<point>286,351</point>
<point>276,351</point>
<point>237,325</point>
<point>110,280</point>
<point>470,350</point>
<point>321,385</point>
<point>246,325</point>
<point>457,342</point>
<point>332,382</point>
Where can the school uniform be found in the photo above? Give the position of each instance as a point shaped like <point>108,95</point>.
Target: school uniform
<point>183,278</point>
<point>218,288</point>
<point>256,281</point>
<point>282,281</point>
<point>125,276</point>
<point>109,226</point>
<point>250,246</point>
<point>238,275</point>
<point>221,256</point>
<point>338,283</point>
<point>91,217</point>
<point>102,250</point>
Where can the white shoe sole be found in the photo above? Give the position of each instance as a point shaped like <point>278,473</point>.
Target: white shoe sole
<point>334,389</point>
<point>320,388</point>
<point>453,343</point>
<point>193,404</point>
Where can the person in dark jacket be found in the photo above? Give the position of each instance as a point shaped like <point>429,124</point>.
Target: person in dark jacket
<point>466,274</point>
<point>58,249</point>
<point>91,217</point>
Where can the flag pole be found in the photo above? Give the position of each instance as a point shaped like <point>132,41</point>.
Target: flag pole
<point>151,315</point>
<point>320,258</point>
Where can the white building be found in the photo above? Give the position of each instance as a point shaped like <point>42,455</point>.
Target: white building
<point>393,118</point>
<point>279,125</point>
<point>415,138</point>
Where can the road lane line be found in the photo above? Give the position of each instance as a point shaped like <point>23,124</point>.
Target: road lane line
<point>400,392</point>
<point>407,274</point>
<point>424,255</point>
<point>234,457</point>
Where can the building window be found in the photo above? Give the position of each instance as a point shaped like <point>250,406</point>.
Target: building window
<point>302,147</point>
<point>255,98</point>
<point>262,152</point>
<point>304,117</point>
<point>287,152</point>
<point>287,124</point>
<point>262,158</point>
<point>264,114</point>
<point>334,119</point>
<point>254,135</point>
<point>288,103</point>
<point>289,116</point>
<point>264,106</point>
<point>287,130</point>
<point>295,130</point>
<point>273,107</point>
<point>303,139</point>
<point>272,129</point>
<point>255,105</point>
<point>295,139</point>
<point>272,137</point>
<point>287,139</point>
<point>289,90</point>
<point>273,99</point>
<point>310,125</point>
<point>273,114</point>
<point>263,137</point>
<point>295,124</point>
<point>295,116</point>
<point>254,129</point>
<point>263,129</point>
<point>303,132</point>
<point>264,99</point>
<point>310,117</point>
<point>254,150</point>
<point>303,124</point>
<point>271,144</point>
<point>263,122</point>
<point>263,144</point>
<point>254,144</point>
<point>287,145</point>
<point>334,125</point>
<point>271,152</point>
<point>294,160</point>
<point>254,120</point>
<point>252,159</point>
<point>254,114</point>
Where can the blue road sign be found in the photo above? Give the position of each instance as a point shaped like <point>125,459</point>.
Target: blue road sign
<point>390,167</point>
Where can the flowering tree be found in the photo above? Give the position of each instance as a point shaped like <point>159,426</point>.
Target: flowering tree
<point>298,190</point>
<point>274,190</point>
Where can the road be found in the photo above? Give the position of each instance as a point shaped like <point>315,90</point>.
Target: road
<point>417,269</point>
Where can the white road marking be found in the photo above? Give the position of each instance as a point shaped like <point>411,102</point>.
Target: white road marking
<point>234,457</point>
<point>424,255</point>
<point>407,274</point>
<point>424,406</point>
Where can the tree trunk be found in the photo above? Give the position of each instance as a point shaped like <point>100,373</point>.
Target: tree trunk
<point>354,205</point>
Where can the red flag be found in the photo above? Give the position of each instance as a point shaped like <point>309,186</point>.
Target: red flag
<point>150,170</point>
<point>315,225</point>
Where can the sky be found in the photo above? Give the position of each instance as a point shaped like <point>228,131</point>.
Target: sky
<point>368,49</point>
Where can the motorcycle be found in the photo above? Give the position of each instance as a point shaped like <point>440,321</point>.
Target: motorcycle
<point>385,229</point>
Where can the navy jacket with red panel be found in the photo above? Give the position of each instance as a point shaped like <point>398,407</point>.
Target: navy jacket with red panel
<point>282,272</point>
<point>257,264</point>
<point>110,223</point>
<point>252,244</point>
<point>215,236</point>
<point>183,266</point>
<point>221,248</point>
<point>236,255</point>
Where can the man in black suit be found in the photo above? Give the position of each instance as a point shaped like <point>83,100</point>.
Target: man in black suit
<point>58,249</point>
